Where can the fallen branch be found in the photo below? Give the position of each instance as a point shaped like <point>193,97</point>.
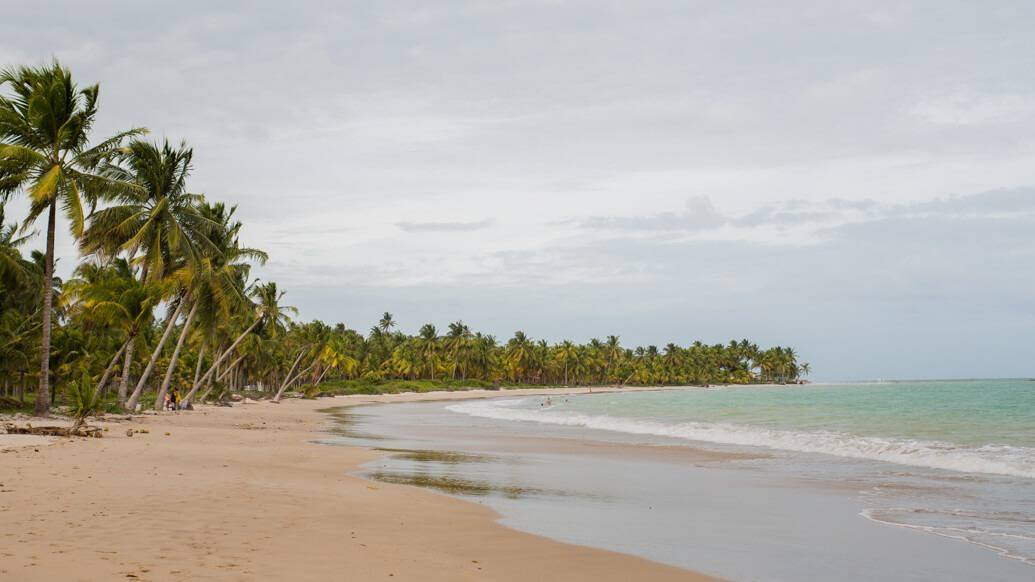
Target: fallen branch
<point>62,431</point>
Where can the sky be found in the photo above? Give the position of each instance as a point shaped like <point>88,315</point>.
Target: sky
<point>853,179</point>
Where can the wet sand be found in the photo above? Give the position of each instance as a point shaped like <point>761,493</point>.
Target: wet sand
<point>743,513</point>
<point>244,493</point>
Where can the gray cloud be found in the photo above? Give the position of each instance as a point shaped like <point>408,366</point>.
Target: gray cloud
<point>445,226</point>
<point>700,215</point>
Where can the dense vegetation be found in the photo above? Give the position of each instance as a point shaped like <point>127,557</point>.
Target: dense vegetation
<point>163,298</point>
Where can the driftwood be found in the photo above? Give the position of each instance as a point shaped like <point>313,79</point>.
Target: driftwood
<point>62,431</point>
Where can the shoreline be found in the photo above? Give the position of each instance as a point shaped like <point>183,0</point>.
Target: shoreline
<point>246,493</point>
<point>740,511</point>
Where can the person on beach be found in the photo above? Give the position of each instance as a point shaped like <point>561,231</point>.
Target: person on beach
<point>167,402</point>
<point>175,398</point>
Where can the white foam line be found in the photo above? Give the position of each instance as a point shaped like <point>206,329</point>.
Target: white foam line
<point>942,532</point>
<point>990,459</point>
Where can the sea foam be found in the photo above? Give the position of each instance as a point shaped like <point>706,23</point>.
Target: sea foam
<point>990,459</point>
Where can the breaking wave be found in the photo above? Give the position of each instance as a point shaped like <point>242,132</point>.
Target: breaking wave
<point>989,459</point>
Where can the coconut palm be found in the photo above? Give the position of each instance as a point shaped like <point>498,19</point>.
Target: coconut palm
<point>15,271</point>
<point>159,223</point>
<point>116,298</point>
<point>214,280</point>
<point>428,346</point>
<point>386,323</point>
<point>267,311</point>
<point>804,369</point>
<point>568,356</point>
<point>45,126</point>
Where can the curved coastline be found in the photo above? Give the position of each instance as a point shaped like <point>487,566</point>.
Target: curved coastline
<point>244,492</point>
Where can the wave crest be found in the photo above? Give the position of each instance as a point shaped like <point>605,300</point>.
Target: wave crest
<point>988,459</point>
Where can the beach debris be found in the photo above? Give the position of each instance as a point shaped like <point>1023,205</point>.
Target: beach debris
<point>129,432</point>
<point>84,431</point>
<point>168,434</point>
<point>249,426</point>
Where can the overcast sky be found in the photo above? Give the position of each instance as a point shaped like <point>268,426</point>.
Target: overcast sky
<point>854,179</point>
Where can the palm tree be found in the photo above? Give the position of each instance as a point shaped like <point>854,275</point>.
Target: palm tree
<point>14,270</point>
<point>387,323</point>
<point>116,298</point>
<point>519,355</point>
<point>612,353</point>
<point>213,280</point>
<point>160,220</point>
<point>568,355</point>
<point>267,311</point>
<point>804,369</point>
<point>428,346</point>
<point>45,148</point>
<point>458,345</point>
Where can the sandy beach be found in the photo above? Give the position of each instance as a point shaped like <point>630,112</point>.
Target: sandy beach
<point>244,493</point>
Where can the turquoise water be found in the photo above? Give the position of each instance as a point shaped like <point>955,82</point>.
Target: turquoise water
<point>965,412</point>
<point>970,426</point>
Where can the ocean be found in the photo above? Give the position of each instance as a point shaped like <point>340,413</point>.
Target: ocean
<point>937,478</point>
<point>971,426</point>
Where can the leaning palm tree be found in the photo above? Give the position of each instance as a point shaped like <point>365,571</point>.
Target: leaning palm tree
<point>159,224</point>
<point>804,369</point>
<point>266,310</point>
<point>45,149</point>
<point>213,280</point>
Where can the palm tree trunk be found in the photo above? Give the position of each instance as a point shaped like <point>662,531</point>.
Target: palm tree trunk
<point>135,397</point>
<point>220,376</point>
<point>197,369</point>
<point>124,382</point>
<point>221,357</point>
<point>176,354</point>
<point>288,377</point>
<point>106,377</point>
<point>322,374</point>
<point>231,367</point>
<point>43,394</point>
<point>209,385</point>
<point>299,375</point>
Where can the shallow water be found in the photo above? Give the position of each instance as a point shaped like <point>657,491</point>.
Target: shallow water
<point>975,426</point>
<point>768,518</point>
